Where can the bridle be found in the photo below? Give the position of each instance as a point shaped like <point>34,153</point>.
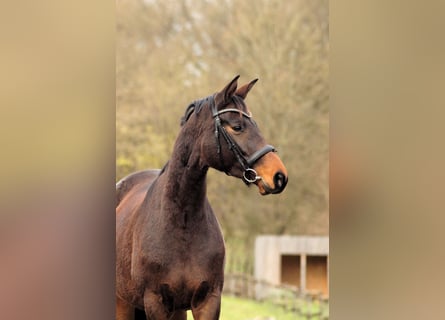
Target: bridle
<point>249,174</point>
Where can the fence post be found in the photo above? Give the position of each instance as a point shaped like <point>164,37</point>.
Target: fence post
<point>303,273</point>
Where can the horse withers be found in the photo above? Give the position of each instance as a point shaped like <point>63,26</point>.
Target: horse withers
<point>169,246</point>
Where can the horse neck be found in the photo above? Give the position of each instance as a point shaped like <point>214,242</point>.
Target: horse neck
<point>185,189</point>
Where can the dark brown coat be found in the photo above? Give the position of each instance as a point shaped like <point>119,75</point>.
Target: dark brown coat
<point>169,245</point>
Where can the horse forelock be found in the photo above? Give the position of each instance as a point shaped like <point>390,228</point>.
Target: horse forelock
<point>240,104</point>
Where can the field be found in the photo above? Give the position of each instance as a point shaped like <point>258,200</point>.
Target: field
<point>243,309</point>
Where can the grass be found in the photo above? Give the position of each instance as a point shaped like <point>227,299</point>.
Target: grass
<point>242,309</point>
<point>234,308</point>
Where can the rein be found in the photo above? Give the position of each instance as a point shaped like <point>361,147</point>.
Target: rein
<point>249,174</point>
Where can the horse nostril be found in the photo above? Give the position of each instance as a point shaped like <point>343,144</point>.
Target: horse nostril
<point>280,181</point>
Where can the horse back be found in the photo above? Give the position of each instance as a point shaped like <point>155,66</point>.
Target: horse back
<point>138,181</point>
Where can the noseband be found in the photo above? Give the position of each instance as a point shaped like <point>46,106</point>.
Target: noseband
<point>249,174</point>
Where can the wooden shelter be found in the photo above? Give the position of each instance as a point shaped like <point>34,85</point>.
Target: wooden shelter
<point>302,261</point>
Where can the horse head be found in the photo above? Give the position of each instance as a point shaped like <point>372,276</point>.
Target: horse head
<point>231,140</point>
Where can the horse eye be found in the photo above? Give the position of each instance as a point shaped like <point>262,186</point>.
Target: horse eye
<point>237,128</point>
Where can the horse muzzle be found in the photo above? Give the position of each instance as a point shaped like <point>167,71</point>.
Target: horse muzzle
<point>272,174</point>
<point>280,182</point>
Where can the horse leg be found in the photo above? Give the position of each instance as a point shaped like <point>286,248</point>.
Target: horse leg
<point>209,309</point>
<point>139,314</point>
<point>179,315</point>
<point>154,308</point>
<point>124,311</point>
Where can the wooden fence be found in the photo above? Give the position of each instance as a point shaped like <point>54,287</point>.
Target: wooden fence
<point>313,306</point>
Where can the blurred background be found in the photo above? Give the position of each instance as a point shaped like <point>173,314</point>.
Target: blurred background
<point>57,137</point>
<point>169,53</point>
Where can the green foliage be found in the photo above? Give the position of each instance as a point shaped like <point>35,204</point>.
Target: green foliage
<point>170,53</point>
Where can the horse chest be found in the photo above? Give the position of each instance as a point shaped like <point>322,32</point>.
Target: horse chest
<point>182,252</point>
<point>181,271</point>
<point>188,248</point>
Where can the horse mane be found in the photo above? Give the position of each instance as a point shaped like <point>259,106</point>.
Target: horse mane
<point>164,167</point>
<point>195,106</point>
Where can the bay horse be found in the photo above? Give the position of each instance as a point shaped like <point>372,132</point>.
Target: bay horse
<point>169,246</point>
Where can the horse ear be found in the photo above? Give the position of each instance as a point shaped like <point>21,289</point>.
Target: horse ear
<point>227,93</point>
<point>244,90</point>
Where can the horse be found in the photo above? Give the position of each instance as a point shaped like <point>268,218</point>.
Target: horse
<point>170,250</point>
